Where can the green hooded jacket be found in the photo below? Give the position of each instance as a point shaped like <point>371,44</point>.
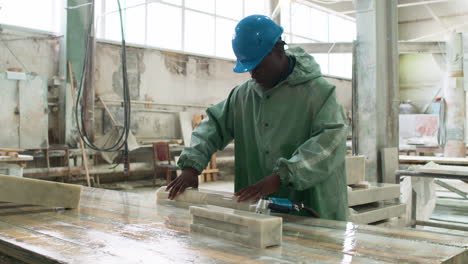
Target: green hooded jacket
<point>296,129</point>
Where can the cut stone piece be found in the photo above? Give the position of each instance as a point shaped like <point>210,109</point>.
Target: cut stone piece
<point>375,192</point>
<point>355,169</point>
<point>253,229</point>
<point>201,197</point>
<point>390,163</point>
<point>39,192</point>
<point>371,213</point>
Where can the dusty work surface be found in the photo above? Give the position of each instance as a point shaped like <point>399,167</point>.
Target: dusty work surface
<point>117,227</point>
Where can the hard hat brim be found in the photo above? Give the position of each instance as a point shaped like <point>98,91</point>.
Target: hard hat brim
<point>245,67</point>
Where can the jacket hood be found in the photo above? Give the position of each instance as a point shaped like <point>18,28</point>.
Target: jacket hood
<point>306,67</point>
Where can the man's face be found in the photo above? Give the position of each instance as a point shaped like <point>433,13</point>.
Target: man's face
<point>268,72</point>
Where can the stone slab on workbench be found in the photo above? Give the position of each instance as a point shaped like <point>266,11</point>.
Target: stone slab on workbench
<point>374,193</point>
<point>39,192</point>
<point>235,225</point>
<point>371,213</point>
<point>201,197</point>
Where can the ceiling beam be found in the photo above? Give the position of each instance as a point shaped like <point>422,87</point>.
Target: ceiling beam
<point>404,47</point>
<point>404,5</point>
<point>436,18</point>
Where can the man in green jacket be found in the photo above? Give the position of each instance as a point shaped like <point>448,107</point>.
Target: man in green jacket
<point>289,130</point>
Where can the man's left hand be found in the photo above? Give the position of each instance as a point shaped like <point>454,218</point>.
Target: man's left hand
<point>266,186</point>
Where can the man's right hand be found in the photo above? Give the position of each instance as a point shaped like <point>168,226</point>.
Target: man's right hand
<point>188,178</point>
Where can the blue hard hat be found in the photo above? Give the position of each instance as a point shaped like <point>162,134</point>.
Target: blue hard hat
<point>253,39</point>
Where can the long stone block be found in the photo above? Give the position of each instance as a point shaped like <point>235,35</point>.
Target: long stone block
<point>376,192</point>
<point>200,197</point>
<point>355,169</point>
<point>239,226</point>
<point>39,192</point>
<point>369,214</point>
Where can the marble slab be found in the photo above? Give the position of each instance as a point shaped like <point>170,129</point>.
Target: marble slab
<point>355,169</point>
<point>201,197</point>
<point>248,228</point>
<point>375,192</point>
<point>372,213</point>
<point>39,192</point>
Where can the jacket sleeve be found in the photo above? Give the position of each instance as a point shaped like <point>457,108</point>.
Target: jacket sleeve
<point>211,135</point>
<point>317,157</point>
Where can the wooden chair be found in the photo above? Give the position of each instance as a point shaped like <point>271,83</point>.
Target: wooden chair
<point>162,161</point>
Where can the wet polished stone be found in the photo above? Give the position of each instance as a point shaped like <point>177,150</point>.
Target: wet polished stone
<point>239,226</point>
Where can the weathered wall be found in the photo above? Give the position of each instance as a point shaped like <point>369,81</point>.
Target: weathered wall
<point>37,53</point>
<point>180,82</point>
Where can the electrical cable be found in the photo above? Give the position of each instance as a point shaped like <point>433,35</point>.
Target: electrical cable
<point>79,115</point>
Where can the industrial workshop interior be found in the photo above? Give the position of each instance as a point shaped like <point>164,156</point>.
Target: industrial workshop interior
<point>233,131</point>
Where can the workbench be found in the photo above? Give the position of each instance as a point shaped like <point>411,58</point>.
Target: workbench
<point>118,227</point>
<point>439,160</point>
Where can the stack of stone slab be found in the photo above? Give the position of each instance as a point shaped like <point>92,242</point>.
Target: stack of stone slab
<point>370,202</point>
<point>219,214</point>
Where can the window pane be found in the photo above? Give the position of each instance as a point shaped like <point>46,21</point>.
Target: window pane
<point>285,8</point>
<point>287,38</point>
<point>174,2</point>
<point>199,33</point>
<point>342,30</point>
<point>253,7</point>
<point>301,20</point>
<point>322,60</point>
<point>113,26</point>
<point>341,64</point>
<point>98,19</point>
<point>224,32</point>
<point>202,5</point>
<point>318,25</point>
<point>135,25</point>
<point>36,14</point>
<point>229,8</point>
<point>296,39</point>
<point>111,19</point>
<point>164,26</point>
<point>111,5</point>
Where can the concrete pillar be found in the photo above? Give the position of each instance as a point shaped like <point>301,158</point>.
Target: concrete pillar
<point>63,79</point>
<point>465,80</point>
<point>454,95</point>
<point>77,29</point>
<point>377,101</point>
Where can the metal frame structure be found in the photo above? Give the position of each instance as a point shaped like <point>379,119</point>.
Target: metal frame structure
<point>414,221</point>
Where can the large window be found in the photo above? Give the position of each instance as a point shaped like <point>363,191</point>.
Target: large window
<point>202,27</point>
<point>44,15</point>
<point>305,23</point>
